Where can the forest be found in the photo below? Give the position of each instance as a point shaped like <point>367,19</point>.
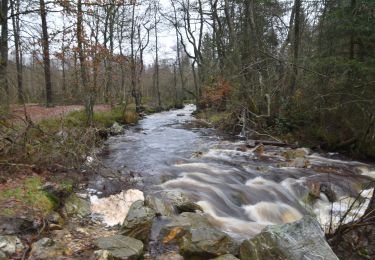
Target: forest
<point>293,80</point>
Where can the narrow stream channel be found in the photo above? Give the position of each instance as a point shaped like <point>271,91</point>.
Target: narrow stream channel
<point>241,189</point>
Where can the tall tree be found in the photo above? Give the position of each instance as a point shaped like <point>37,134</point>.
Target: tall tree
<point>46,54</point>
<point>15,9</point>
<point>4,88</point>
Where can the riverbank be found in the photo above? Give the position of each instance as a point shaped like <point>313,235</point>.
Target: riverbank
<point>152,196</point>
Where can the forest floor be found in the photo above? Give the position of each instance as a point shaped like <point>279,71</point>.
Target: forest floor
<point>38,112</point>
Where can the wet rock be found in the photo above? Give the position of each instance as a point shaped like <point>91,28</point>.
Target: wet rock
<point>181,114</point>
<point>303,239</point>
<point>46,248</point>
<point>160,207</point>
<point>314,189</point>
<point>195,236</point>
<point>116,129</point>
<point>295,153</point>
<point>103,255</point>
<point>138,222</point>
<point>299,162</point>
<point>258,149</point>
<point>328,190</point>
<point>76,207</point>
<point>188,206</point>
<point>180,202</point>
<point>10,245</point>
<point>121,247</point>
<point>226,257</point>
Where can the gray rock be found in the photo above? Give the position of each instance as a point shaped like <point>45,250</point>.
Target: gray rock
<point>103,255</point>
<point>226,257</point>
<point>46,248</point>
<point>170,256</point>
<point>76,207</point>
<point>303,239</point>
<point>159,206</point>
<point>10,245</point>
<point>188,206</point>
<point>11,226</point>
<point>138,222</point>
<point>55,218</point>
<point>195,236</point>
<point>121,247</point>
<point>181,202</point>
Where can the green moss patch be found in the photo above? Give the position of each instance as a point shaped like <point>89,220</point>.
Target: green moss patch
<point>25,196</point>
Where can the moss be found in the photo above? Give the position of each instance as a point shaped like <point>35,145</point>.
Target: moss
<point>26,196</point>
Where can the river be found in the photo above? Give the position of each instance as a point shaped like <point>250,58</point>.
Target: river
<point>242,188</point>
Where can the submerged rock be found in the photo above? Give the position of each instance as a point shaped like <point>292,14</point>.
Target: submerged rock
<point>138,222</point>
<point>188,206</point>
<point>10,245</point>
<point>303,239</point>
<point>121,247</point>
<point>195,236</point>
<point>76,207</point>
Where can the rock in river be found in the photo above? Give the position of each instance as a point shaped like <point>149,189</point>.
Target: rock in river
<point>303,239</point>
<point>121,247</point>
<point>196,237</point>
<point>138,222</point>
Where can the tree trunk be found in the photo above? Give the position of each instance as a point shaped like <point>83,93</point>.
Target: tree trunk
<point>17,46</point>
<point>296,43</point>
<point>46,57</point>
<point>4,56</point>
<point>89,95</point>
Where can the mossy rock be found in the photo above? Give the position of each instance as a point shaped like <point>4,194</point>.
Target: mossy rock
<point>76,207</point>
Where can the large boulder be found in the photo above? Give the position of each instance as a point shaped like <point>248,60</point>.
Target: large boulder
<point>303,239</point>
<point>138,222</point>
<point>196,237</point>
<point>76,207</point>
<point>121,247</point>
<point>9,246</point>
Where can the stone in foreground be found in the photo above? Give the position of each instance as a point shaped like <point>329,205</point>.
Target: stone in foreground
<point>10,245</point>
<point>303,239</point>
<point>121,247</point>
<point>138,222</point>
<point>196,237</point>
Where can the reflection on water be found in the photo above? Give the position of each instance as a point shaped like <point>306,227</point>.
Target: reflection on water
<point>240,188</point>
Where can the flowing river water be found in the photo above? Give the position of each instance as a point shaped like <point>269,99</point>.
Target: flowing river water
<point>240,187</point>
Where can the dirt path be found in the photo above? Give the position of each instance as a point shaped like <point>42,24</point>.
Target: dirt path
<point>38,112</point>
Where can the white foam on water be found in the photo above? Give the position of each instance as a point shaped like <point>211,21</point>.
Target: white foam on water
<point>114,208</point>
<point>330,214</point>
<point>366,171</point>
<point>231,224</point>
<point>271,213</point>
